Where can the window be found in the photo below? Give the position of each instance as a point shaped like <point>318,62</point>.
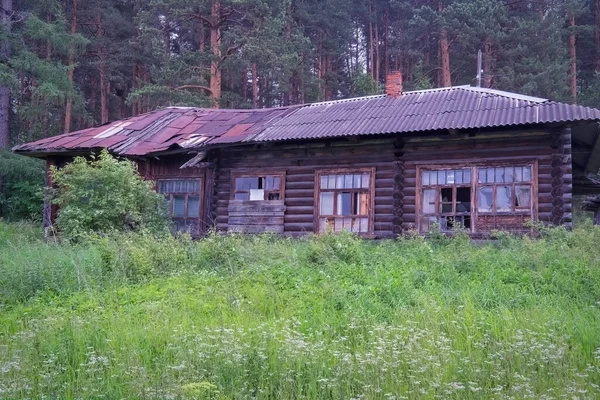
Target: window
<point>478,198</point>
<point>446,199</point>
<point>344,201</point>
<point>504,190</point>
<point>258,187</point>
<point>183,196</point>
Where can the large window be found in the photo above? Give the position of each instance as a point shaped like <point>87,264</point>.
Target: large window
<point>504,190</point>
<point>345,200</point>
<point>184,200</point>
<point>258,187</point>
<point>478,198</point>
<point>446,199</point>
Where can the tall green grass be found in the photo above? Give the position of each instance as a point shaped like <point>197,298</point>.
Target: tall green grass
<point>324,317</point>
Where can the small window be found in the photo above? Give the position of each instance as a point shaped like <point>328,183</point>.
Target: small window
<point>258,187</point>
<point>344,201</point>
<point>183,196</point>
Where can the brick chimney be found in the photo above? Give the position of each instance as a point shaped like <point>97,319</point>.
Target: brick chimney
<point>393,84</point>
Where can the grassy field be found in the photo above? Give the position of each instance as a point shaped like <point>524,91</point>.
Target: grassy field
<point>330,317</point>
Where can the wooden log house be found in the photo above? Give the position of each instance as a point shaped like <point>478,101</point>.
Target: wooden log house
<point>379,166</point>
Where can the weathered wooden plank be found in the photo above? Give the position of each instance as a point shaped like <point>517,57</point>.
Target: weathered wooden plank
<point>255,229</point>
<point>255,220</point>
<point>262,206</point>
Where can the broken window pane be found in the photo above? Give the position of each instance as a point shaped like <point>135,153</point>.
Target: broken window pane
<point>178,206</point>
<point>326,205</point>
<point>273,196</point>
<point>503,198</point>
<point>343,203</point>
<point>193,209</point>
<point>428,201</point>
<point>446,198</point>
<point>485,199</point>
<point>523,196</point>
<point>463,200</point>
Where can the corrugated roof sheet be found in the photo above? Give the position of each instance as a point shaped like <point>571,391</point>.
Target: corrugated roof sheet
<point>173,127</point>
<point>460,107</point>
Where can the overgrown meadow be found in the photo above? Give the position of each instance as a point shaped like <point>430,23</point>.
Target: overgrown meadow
<point>328,317</point>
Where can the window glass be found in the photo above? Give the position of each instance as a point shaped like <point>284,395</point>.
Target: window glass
<point>509,174</point>
<point>193,210</point>
<point>503,198</point>
<point>343,203</point>
<point>522,196</point>
<point>324,182</point>
<point>485,199</point>
<point>178,206</point>
<point>326,205</point>
<point>242,196</point>
<point>178,186</point>
<point>526,174</point>
<point>428,201</point>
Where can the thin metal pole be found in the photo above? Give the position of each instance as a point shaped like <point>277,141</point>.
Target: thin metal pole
<point>479,68</point>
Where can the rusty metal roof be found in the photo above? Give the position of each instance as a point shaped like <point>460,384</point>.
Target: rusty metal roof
<point>161,130</point>
<point>460,107</point>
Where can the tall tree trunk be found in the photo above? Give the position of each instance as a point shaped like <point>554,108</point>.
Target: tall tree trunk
<point>573,60</point>
<point>104,84</point>
<point>215,45</point>
<point>386,39</point>
<point>597,32</point>
<point>71,71</point>
<point>254,86</point>
<point>446,80</point>
<point>5,16</point>
<point>245,85</point>
<point>370,59</point>
<point>487,62</point>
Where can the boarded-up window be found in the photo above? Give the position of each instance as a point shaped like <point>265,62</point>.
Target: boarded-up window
<point>184,197</point>
<point>344,201</point>
<point>258,187</point>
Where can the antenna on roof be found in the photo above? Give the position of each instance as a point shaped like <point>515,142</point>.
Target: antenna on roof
<point>479,71</point>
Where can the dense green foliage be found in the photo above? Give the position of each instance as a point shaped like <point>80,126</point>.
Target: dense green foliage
<point>131,56</point>
<point>23,181</point>
<point>326,317</point>
<point>105,194</point>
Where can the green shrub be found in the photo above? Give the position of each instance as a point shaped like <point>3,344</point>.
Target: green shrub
<point>105,194</point>
<point>21,194</point>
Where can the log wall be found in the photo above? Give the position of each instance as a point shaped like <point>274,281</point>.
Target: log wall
<point>395,162</point>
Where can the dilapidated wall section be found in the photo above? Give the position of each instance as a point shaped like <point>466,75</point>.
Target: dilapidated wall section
<point>300,162</point>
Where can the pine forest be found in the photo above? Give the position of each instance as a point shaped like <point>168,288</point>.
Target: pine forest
<point>71,64</point>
